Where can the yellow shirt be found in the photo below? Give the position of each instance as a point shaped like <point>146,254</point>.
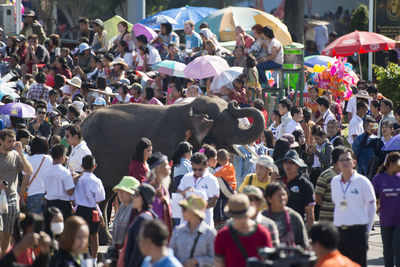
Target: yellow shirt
<point>254,182</point>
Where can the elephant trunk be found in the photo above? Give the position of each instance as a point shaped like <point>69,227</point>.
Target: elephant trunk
<point>242,135</point>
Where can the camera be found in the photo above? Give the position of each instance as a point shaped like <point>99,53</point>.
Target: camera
<point>282,257</point>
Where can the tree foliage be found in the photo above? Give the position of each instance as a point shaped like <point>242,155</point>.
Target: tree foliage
<point>360,18</point>
<point>389,81</point>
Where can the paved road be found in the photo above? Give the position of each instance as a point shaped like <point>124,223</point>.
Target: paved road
<point>375,252</point>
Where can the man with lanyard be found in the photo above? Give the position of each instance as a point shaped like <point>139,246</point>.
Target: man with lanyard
<point>79,148</point>
<point>203,182</point>
<point>354,199</point>
<point>301,191</point>
<point>327,115</point>
<point>12,162</point>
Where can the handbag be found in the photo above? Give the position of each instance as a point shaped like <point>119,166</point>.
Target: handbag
<point>33,178</point>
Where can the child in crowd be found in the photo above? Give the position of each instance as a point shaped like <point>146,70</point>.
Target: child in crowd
<point>239,93</point>
<point>89,192</point>
<point>225,169</point>
<point>135,91</point>
<point>143,58</point>
<point>58,182</point>
<point>275,127</point>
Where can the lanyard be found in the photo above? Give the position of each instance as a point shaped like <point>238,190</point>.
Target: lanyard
<point>344,190</point>
<point>197,181</point>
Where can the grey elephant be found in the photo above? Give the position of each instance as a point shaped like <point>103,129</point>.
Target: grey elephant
<point>112,132</point>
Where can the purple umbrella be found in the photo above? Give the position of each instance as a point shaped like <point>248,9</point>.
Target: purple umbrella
<point>140,29</point>
<point>18,109</point>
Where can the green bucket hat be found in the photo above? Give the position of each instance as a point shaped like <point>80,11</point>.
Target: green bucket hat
<point>196,204</point>
<point>127,184</point>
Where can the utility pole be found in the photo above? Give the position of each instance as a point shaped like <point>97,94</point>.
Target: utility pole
<point>136,10</point>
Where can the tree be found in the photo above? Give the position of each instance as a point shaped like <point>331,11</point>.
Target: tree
<point>45,9</point>
<point>294,19</point>
<point>360,18</point>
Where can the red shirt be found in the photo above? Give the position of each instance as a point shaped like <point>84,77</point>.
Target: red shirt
<point>138,170</point>
<point>265,113</point>
<point>134,100</point>
<point>335,259</point>
<point>226,248</point>
<point>248,41</point>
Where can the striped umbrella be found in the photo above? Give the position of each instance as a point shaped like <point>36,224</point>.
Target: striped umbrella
<point>224,21</point>
<point>169,67</point>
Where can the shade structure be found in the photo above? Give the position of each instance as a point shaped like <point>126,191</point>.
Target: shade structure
<point>111,26</point>
<point>224,21</point>
<point>169,67</point>
<point>321,60</point>
<point>225,78</point>
<point>205,67</point>
<point>358,42</point>
<point>18,109</point>
<point>140,29</point>
<point>181,15</point>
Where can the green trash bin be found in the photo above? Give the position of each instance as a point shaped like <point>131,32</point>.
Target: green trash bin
<point>293,67</point>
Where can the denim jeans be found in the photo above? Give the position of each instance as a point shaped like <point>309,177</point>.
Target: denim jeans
<point>391,245</point>
<point>36,203</point>
<point>266,65</point>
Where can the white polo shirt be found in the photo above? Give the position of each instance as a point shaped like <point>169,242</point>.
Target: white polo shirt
<point>75,158</point>
<point>292,126</point>
<point>359,193</point>
<point>355,128</point>
<point>285,119</point>
<point>89,190</point>
<point>57,181</point>
<point>207,183</point>
<point>37,186</point>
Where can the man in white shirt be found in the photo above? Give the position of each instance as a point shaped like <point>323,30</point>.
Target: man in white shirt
<point>201,181</point>
<point>154,55</point>
<point>284,107</point>
<point>297,116</point>
<point>351,108</point>
<point>73,137</point>
<point>327,115</point>
<point>356,124</point>
<point>58,183</point>
<point>89,191</point>
<point>386,109</point>
<point>354,199</point>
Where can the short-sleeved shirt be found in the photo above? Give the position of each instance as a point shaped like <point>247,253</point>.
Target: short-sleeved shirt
<point>248,41</point>
<point>292,126</point>
<point>355,128</point>
<point>77,154</point>
<point>166,261</point>
<point>193,41</point>
<point>10,166</point>
<point>42,54</point>
<point>251,179</point>
<point>323,189</point>
<point>57,181</point>
<point>387,190</point>
<point>226,248</point>
<point>301,195</point>
<point>327,117</point>
<point>207,183</point>
<point>89,190</point>
<point>39,91</point>
<point>185,166</point>
<point>37,186</point>
<point>154,55</point>
<point>358,193</point>
<point>279,55</point>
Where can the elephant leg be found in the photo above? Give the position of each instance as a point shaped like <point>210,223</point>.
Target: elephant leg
<point>106,208</point>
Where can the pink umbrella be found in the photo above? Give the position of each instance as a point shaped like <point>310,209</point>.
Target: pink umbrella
<point>205,67</point>
<point>140,29</point>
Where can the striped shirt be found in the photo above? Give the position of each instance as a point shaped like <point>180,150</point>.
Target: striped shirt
<point>323,188</point>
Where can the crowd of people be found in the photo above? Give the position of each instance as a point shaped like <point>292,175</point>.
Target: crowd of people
<point>271,193</point>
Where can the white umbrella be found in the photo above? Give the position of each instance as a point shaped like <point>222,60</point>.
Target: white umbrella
<point>225,78</point>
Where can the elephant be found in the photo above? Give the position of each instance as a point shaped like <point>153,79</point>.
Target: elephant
<point>112,132</point>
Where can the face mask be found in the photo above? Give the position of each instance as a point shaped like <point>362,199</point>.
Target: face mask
<point>57,228</point>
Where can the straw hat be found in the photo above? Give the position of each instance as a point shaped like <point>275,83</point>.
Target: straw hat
<point>127,184</point>
<point>266,161</point>
<point>239,207</point>
<point>251,190</point>
<point>75,81</point>
<point>195,204</point>
<point>121,62</point>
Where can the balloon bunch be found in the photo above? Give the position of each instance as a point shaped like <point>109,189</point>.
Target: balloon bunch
<point>338,77</point>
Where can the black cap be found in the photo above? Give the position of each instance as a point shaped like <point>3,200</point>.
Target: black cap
<point>147,192</point>
<point>155,159</point>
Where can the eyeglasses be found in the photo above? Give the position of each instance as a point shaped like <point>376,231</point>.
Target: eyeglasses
<point>41,113</point>
<point>198,170</point>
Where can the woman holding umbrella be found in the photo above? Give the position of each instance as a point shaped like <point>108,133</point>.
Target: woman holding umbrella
<point>274,58</point>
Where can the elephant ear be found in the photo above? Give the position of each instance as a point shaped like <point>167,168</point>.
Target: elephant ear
<point>201,125</point>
